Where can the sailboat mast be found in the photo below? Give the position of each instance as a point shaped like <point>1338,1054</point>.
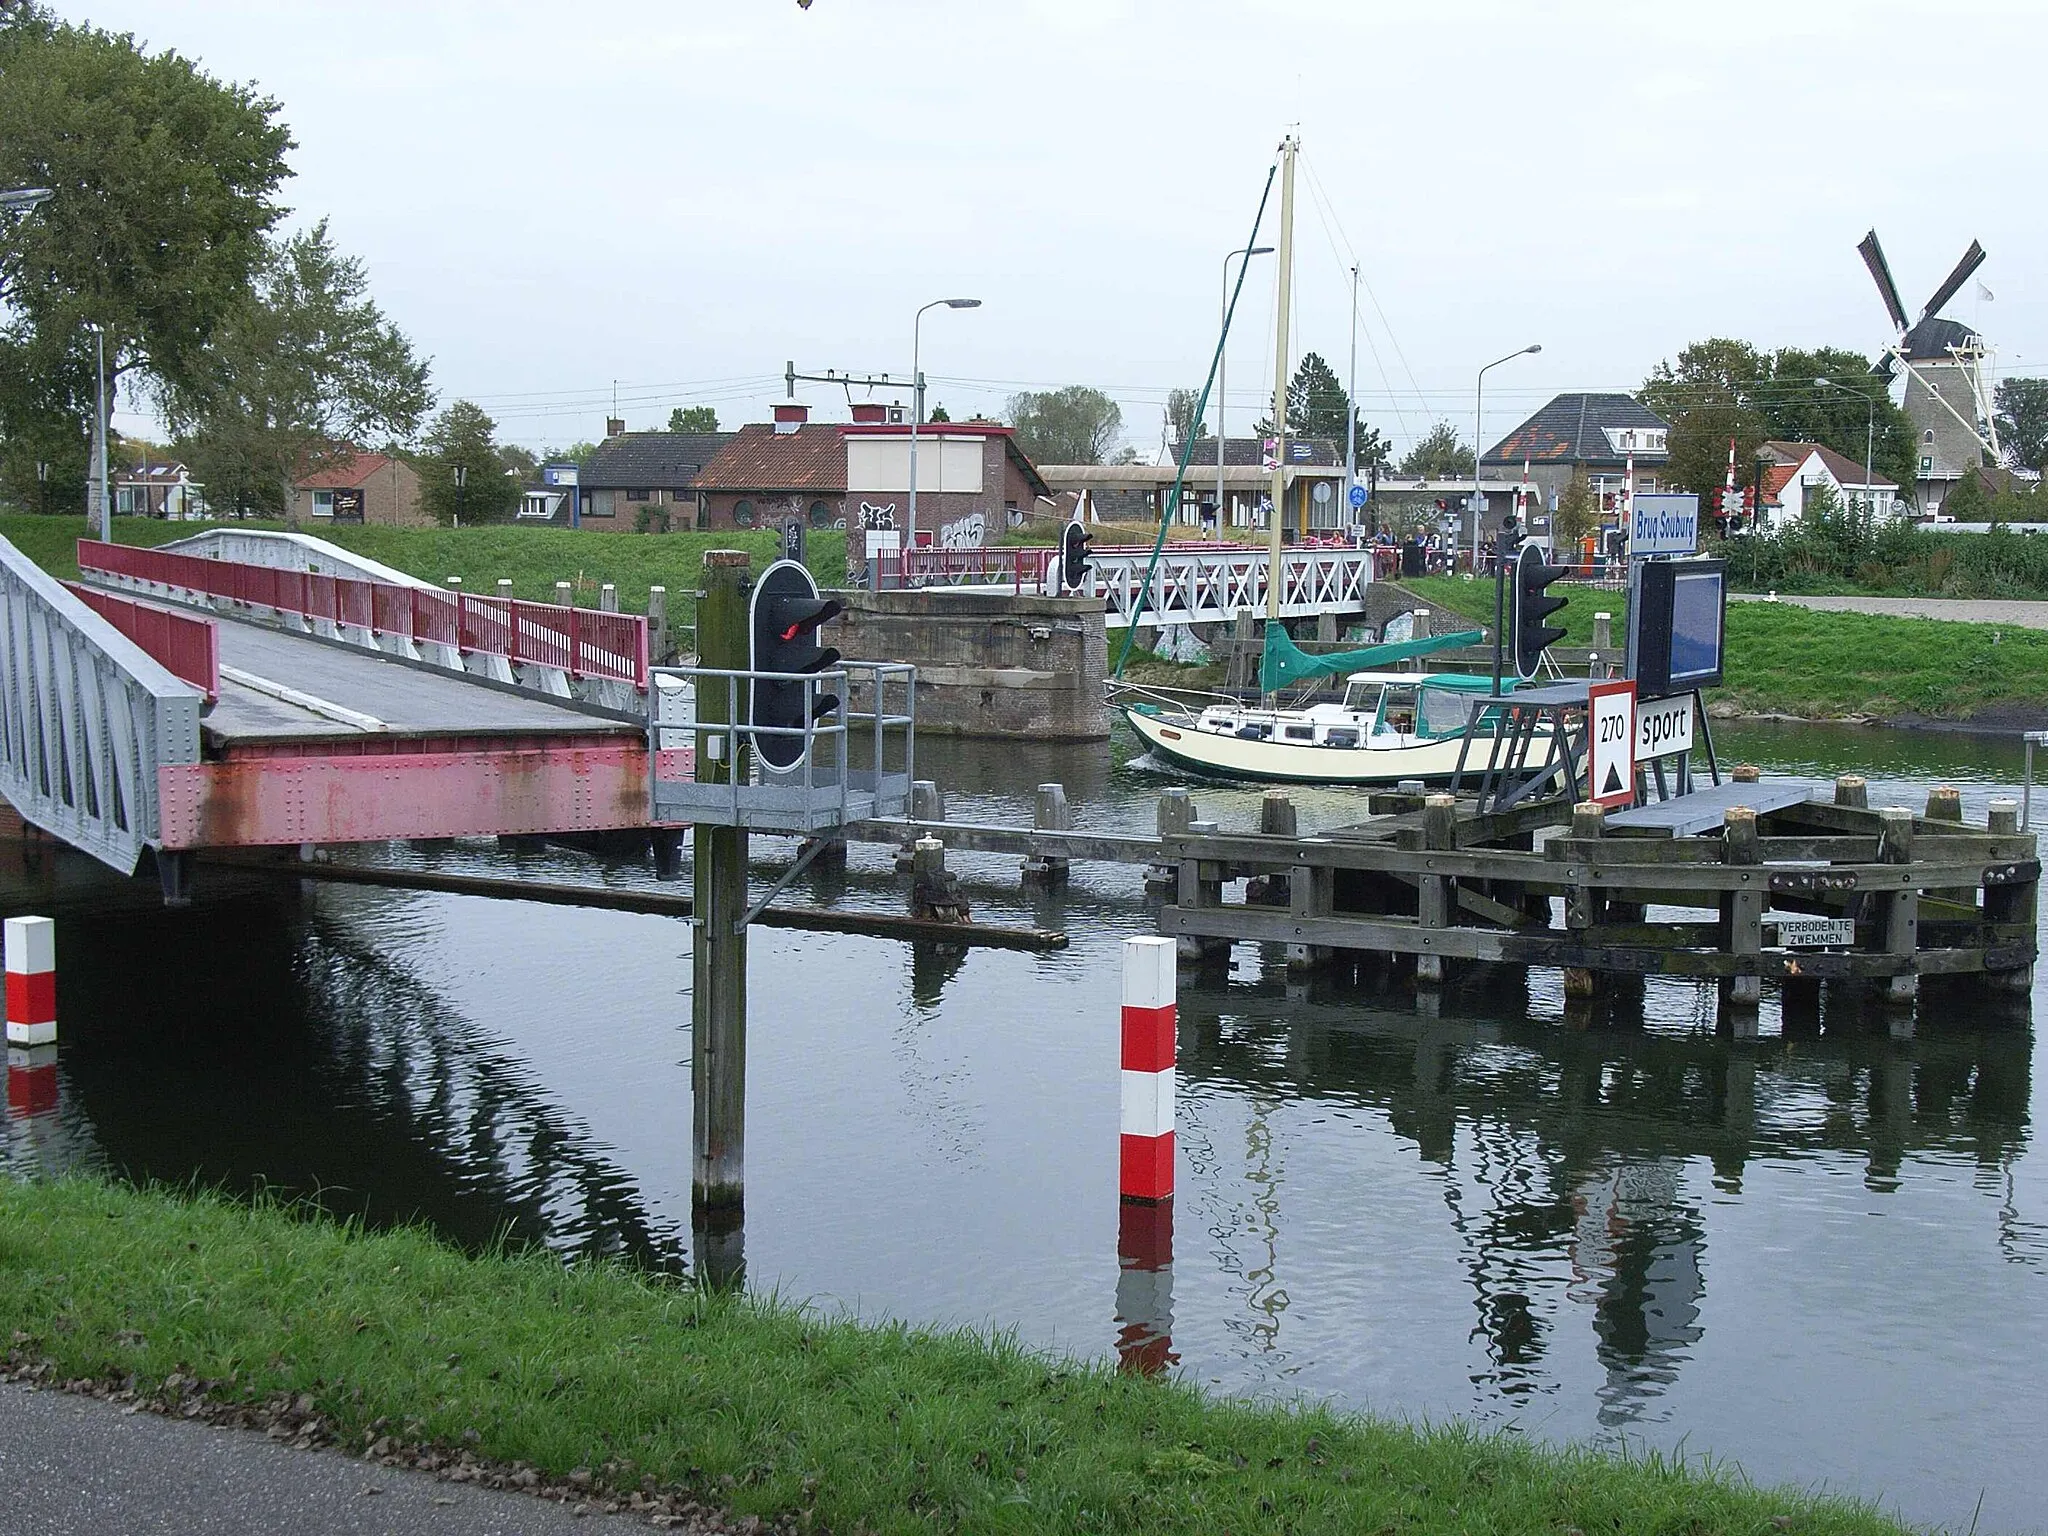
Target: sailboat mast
<point>1288,146</point>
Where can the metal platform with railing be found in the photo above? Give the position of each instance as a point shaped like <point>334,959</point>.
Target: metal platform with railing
<point>856,763</point>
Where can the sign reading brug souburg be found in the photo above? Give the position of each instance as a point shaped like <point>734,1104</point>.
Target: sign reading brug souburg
<point>1663,524</point>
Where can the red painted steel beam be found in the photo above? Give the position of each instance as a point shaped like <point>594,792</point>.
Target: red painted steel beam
<point>528,788</point>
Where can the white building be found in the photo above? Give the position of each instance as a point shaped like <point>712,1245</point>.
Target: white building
<point>1800,468</point>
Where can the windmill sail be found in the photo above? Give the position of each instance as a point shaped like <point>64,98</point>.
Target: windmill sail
<point>1881,274</point>
<point>1973,258</point>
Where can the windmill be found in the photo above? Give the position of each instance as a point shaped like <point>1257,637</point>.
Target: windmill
<point>1946,397</point>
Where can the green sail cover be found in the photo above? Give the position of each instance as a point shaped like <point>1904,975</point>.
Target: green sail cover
<point>1285,663</point>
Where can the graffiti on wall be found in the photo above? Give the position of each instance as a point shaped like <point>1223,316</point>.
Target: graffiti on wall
<point>969,532</point>
<point>873,517</point>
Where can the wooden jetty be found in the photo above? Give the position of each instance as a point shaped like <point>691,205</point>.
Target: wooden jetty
<point>1750,880</point>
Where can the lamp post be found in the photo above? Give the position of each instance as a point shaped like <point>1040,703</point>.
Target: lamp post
<point>917,410</point>
<point>102,509</point>
<point>21,199</point>
<point>1478,501</point>
<point>1869,430</point>
<point>1222,360</point>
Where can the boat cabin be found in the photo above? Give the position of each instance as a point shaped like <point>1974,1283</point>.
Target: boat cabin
<point>1379,709</point>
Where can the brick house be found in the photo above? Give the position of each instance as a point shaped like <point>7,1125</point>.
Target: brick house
<point>651,473</point>
<point>971,476</point>
<point>1599,433</point>
<point>368,488</point>
<point>157,490</point>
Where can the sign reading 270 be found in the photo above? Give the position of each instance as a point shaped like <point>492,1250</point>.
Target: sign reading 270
<point>1611,743</point>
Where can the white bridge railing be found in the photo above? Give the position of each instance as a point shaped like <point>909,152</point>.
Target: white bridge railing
<point>1192,585</point>
<point>87,718</point>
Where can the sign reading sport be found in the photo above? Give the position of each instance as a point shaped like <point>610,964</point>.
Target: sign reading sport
<point>1664,524</point>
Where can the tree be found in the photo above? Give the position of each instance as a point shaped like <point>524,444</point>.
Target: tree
<point>938,414</point>
<point>1722,388</point>
<point>1575,517</point>
<point>165,183</point>
<point>301,373</point>
<point>1315,408</point>
<point>2022,406</point>
<point>693,418</point>
<point>1182,427</point>
<point>1074,425</point>
<point>516,460</point>
<point>1439,455</point>
<point>463,437</point>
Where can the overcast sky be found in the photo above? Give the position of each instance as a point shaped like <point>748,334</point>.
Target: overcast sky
<point>680,195</point>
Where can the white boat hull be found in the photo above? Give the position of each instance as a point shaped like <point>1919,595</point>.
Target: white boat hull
<point>1279,762</point>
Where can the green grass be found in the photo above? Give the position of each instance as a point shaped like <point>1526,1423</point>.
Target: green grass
<point>534,558</point>
<point>1474,600</point>
<point>767,1408</point>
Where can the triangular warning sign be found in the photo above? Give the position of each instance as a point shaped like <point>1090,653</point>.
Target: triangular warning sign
<point>1613,785</point>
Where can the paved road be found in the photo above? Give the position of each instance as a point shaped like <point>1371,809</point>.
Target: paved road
<point>2019,615</point>
<point>76,1466</point>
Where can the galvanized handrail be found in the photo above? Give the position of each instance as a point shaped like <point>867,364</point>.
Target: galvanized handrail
<point>811,795</point>
<point>87,719</point>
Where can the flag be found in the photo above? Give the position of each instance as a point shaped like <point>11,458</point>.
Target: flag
<point>1984,293</point>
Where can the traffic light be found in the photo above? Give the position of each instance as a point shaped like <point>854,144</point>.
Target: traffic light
<point>785,615</point>
<point>1074,542</point>
<point>1534,605</point>
<point>1510,534</point>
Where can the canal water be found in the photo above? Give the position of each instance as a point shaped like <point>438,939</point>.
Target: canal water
<point>1821,1255</point>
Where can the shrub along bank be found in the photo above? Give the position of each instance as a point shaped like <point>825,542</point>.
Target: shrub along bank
<point>598,1378</point>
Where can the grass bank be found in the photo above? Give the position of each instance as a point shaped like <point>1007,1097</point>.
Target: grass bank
<point>1783,659</point>
<point>533,558</point>
<point>598,1375</point>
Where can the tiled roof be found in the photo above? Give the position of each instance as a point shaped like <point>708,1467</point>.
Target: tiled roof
<point>758,458</point>
<point>647,461</point>
<point>1845,470</point>
<point>1250,452</point>
<point>1776,478</point>
<point>358,468</point>
<point>1571,430</point>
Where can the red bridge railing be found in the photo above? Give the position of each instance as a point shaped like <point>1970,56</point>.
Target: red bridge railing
<point>580,641</point>
<point>188,647</point>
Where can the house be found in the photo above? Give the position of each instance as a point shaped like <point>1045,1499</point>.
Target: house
<point>365,488</point>
<point>1599,433</point>
<point>157,490</point>
<point>972,478</point>
<point>1795,470</point>
<point>555,497</point>
<point>1315,483</point>
<point>640,482</point>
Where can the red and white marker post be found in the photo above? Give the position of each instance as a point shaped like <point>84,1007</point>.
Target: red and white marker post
<point>31,944</point>
<point>1145,1163</point>
<point>1144,1246</point>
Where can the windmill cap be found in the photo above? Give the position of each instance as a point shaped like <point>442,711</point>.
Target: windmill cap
<point>1930,340</point>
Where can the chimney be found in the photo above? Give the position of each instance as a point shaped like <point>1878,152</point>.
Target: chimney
<point>613,426</point>
<point>789,417</point>
<point>870,413</point>
<point>896,416</point>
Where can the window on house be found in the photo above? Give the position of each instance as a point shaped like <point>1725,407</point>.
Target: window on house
<point>638,495</point>
<point>1927,436</point>
<point>743,514</point>
<point>821,514</point>
<point>323,503</point>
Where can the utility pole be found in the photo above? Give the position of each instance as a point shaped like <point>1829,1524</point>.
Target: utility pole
<point>1275,554</point>
<point>1351,400</point>
<point>102,509</point>
<point>718,996</point>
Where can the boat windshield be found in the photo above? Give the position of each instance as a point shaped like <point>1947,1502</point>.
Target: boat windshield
<point>1447,711</point>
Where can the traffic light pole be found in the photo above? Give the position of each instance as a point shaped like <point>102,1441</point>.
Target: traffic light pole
<point>1500,588</point>
<point>718,998</point>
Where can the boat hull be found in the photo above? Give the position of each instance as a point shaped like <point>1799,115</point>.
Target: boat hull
<point>1274,762</point>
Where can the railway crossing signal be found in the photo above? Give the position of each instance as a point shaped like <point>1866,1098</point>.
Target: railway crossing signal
<point>1533,606</point>
<point>785,616</point>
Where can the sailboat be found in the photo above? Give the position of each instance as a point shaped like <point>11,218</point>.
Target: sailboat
<point>1388,725</point>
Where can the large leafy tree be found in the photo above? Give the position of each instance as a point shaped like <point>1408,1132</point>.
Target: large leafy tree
<point>301,373</point>
<point>165,182</point>
<point>1440,454</point>
<point>1722,388</point>
<point>1074,425</point>
<point>1182,425</point>
<point>693,418</point>
<point>464,437</point>
<point>2022,406</point>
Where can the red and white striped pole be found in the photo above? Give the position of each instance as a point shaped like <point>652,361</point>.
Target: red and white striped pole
<point>1144,1246</point>
<point>31,944</point>
<point>1145,1161</point>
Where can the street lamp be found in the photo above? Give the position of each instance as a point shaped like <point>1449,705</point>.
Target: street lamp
<point>917,409</point>
<point>1478,502</point>
<point>22,199</point>
<point>1869,430</point>
<point>102,510</point>
<point>1222,358</point>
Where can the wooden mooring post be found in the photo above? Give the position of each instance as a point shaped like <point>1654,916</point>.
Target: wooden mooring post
<point>1433,893</point>
<point>1743,915</point>
<point>718,999</point>
<point>1583,906</point>
<point>1901,907</point>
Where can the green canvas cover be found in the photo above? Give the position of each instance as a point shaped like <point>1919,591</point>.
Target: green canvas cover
<point>1284,663</point>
